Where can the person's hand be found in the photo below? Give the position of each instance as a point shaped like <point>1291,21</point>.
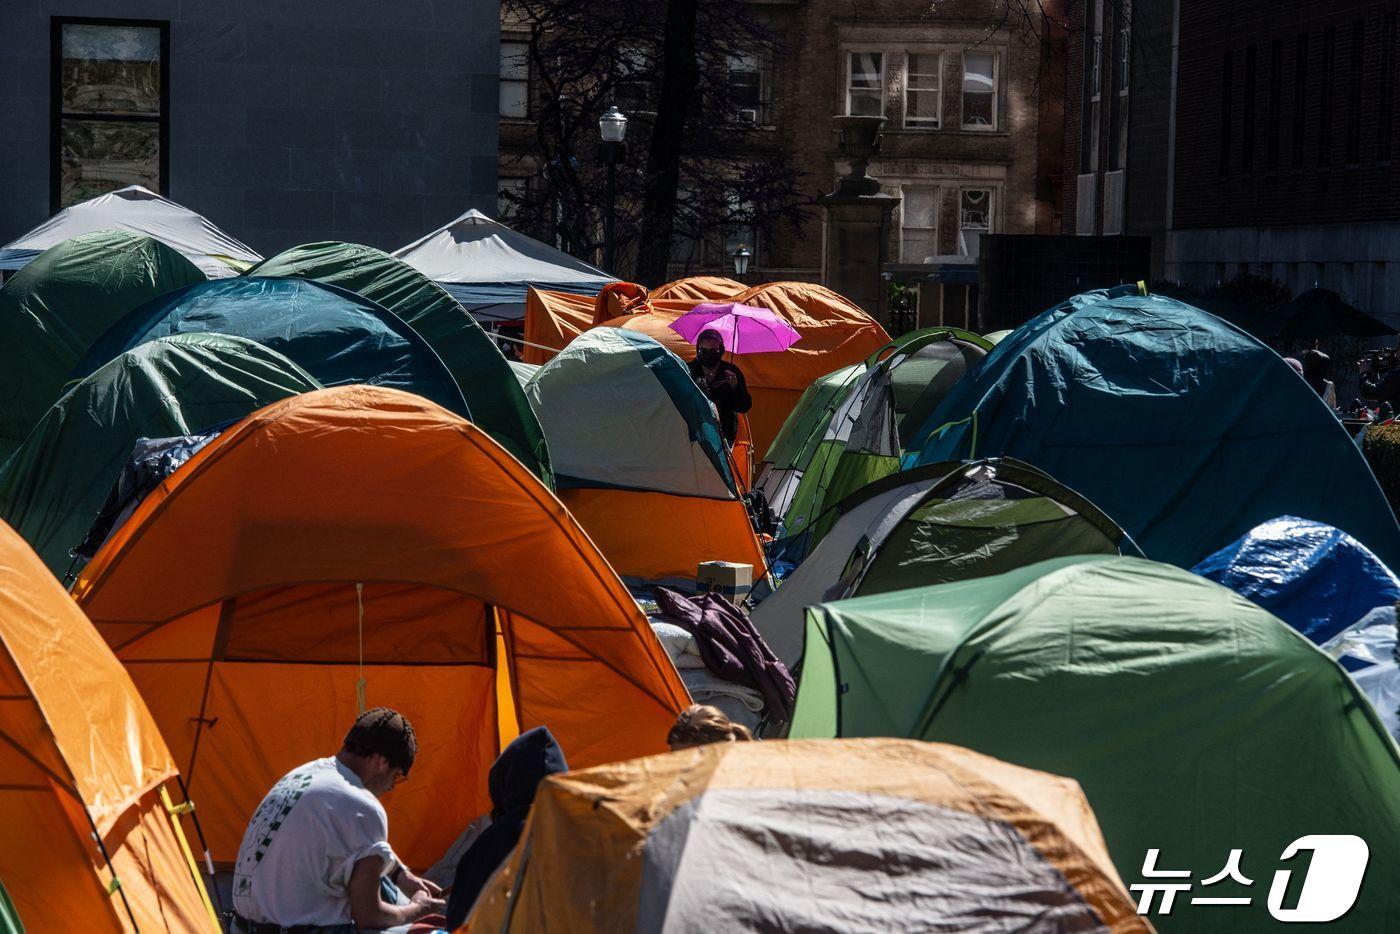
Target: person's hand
<point>425,904</point>
<point>411,885</point>
<point>731,379</point>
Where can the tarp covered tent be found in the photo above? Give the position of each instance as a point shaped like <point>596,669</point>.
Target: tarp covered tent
<point>81,754</point>
<point>834,333</point>
<point>844,835</point>
<point>1315,578</point>
<point>866,434</point>
<point>935,524</point>
<point>640,460</point>
<point>57,306</point>
<point>142,212</point>
<point>476,363</point>
<point>699,289</point>
<point>362,532</point>
<point>335,335</point>
<point>52,488</point>
<point>488,267</point>
<point>1194,720</point>
<point>1185,429</point>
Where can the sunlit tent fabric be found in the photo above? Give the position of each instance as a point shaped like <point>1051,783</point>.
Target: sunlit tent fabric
<point>476,363</point>
<point>865,437</point>
<point>804,424</point>
<point>835,333</point>
<point>1195,721</point>
<point>836,835</point>
<point>1315,578</point>
<point>935,524</point>
<point>639,458</point>
<point>57,306</point>
<point>487,266</point>
<point>55,484</point>
<point>699,289</point>
<point>335,335</point>
<point>361,532</point>
<point>1185,429</point>
<point>138,211</point>
<point>81,753</point>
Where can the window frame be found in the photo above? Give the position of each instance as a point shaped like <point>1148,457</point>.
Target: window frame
<point>1096,67</point>
<point>995,125</point>
<point>763,114</point>
<point>1125,59</point>
<point>882,84</point>
<point>937,92</point>
<point>904,190</point>
<point>992,200</point>
<point>56,112</point>
<point>506,183</point>
<point>500,111</point>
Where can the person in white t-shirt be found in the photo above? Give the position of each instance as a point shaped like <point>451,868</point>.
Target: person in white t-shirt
<point>316,852</point>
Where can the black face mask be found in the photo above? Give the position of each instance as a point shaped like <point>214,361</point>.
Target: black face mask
<point>710,357</point>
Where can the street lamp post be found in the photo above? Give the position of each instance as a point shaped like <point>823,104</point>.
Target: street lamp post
<point>612,129</point>
<point>742,258</point>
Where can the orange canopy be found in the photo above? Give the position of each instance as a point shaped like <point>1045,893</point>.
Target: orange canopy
<point>363,533</point>
<point>75,737</point>
<point>700,289</point>
<point>835,333</point>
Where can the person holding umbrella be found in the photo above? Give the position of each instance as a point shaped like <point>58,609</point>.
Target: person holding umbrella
<point>721,381</point>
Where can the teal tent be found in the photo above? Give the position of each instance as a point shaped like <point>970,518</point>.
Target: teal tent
<point>336,336</point>
<point>493,394</point>
<point>1183,428</point>
<point>52,488</point>
<point>1194,720</point>
<point>56,306</point>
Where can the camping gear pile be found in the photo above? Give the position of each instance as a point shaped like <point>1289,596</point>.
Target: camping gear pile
<point>282,491</point>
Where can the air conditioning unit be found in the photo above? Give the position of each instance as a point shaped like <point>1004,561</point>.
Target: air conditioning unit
<point>748,115</point>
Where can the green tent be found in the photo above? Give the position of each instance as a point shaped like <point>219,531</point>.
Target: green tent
<point>866,434</point>
<point>935,524</point>
<point>53,309</point>
<point>493,394</point>
<point>797,439</point>
<point>52,488</point>
<point>9,917</point>
<point>1194,720</point>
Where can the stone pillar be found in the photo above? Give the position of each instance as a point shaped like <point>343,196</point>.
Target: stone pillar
<point>856,222</point>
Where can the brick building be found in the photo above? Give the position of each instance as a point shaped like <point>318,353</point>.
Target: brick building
<point>972,143</point>
<point>1262,139</point>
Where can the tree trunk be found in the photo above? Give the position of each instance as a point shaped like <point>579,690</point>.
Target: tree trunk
<point>680,76</point>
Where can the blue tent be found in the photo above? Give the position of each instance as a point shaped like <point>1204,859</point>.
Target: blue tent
<point>1183,428</point>
<point>333,334</point>
<point>1315,578</point>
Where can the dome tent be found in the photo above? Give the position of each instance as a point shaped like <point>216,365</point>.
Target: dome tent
<point>932,525</point>
<point>337,336</point>
<point>1195,721</point>
<point>82,756</point>
<point>1185,429</point>
<point>640,459</point>
<point>53,309</point>
<point>365,533</point>
<point>492,393</point>
<point>55,484</point>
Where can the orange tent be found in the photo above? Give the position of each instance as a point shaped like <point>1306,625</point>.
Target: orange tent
<point>700,289</point>
<point>81,753</point>
<point>364,541</point>
<point>835,333</point>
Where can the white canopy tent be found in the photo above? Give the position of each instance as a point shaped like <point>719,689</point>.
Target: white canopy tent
<point>488,267</point>
<point>140,211</point>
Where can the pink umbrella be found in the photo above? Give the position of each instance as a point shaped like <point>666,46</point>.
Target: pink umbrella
<point>742,328</point>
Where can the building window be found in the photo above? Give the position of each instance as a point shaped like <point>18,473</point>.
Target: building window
<point>918,225</point>
<point>922,101</point>
<point>110,93</point>
<point>636,70</point>
<point>739,229</point>
<point>1096,68</point>
<point>510,198</point>
<point>748,89</point>
<point>865,86</point>
<point>974,220</point>
<point>1125,58</point>
<point>515,79</point>
<point>979,91</point>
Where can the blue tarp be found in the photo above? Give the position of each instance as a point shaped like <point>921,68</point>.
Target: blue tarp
<point>1187,431</point>
<point>1315,578</point>
<point>335,335</point>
